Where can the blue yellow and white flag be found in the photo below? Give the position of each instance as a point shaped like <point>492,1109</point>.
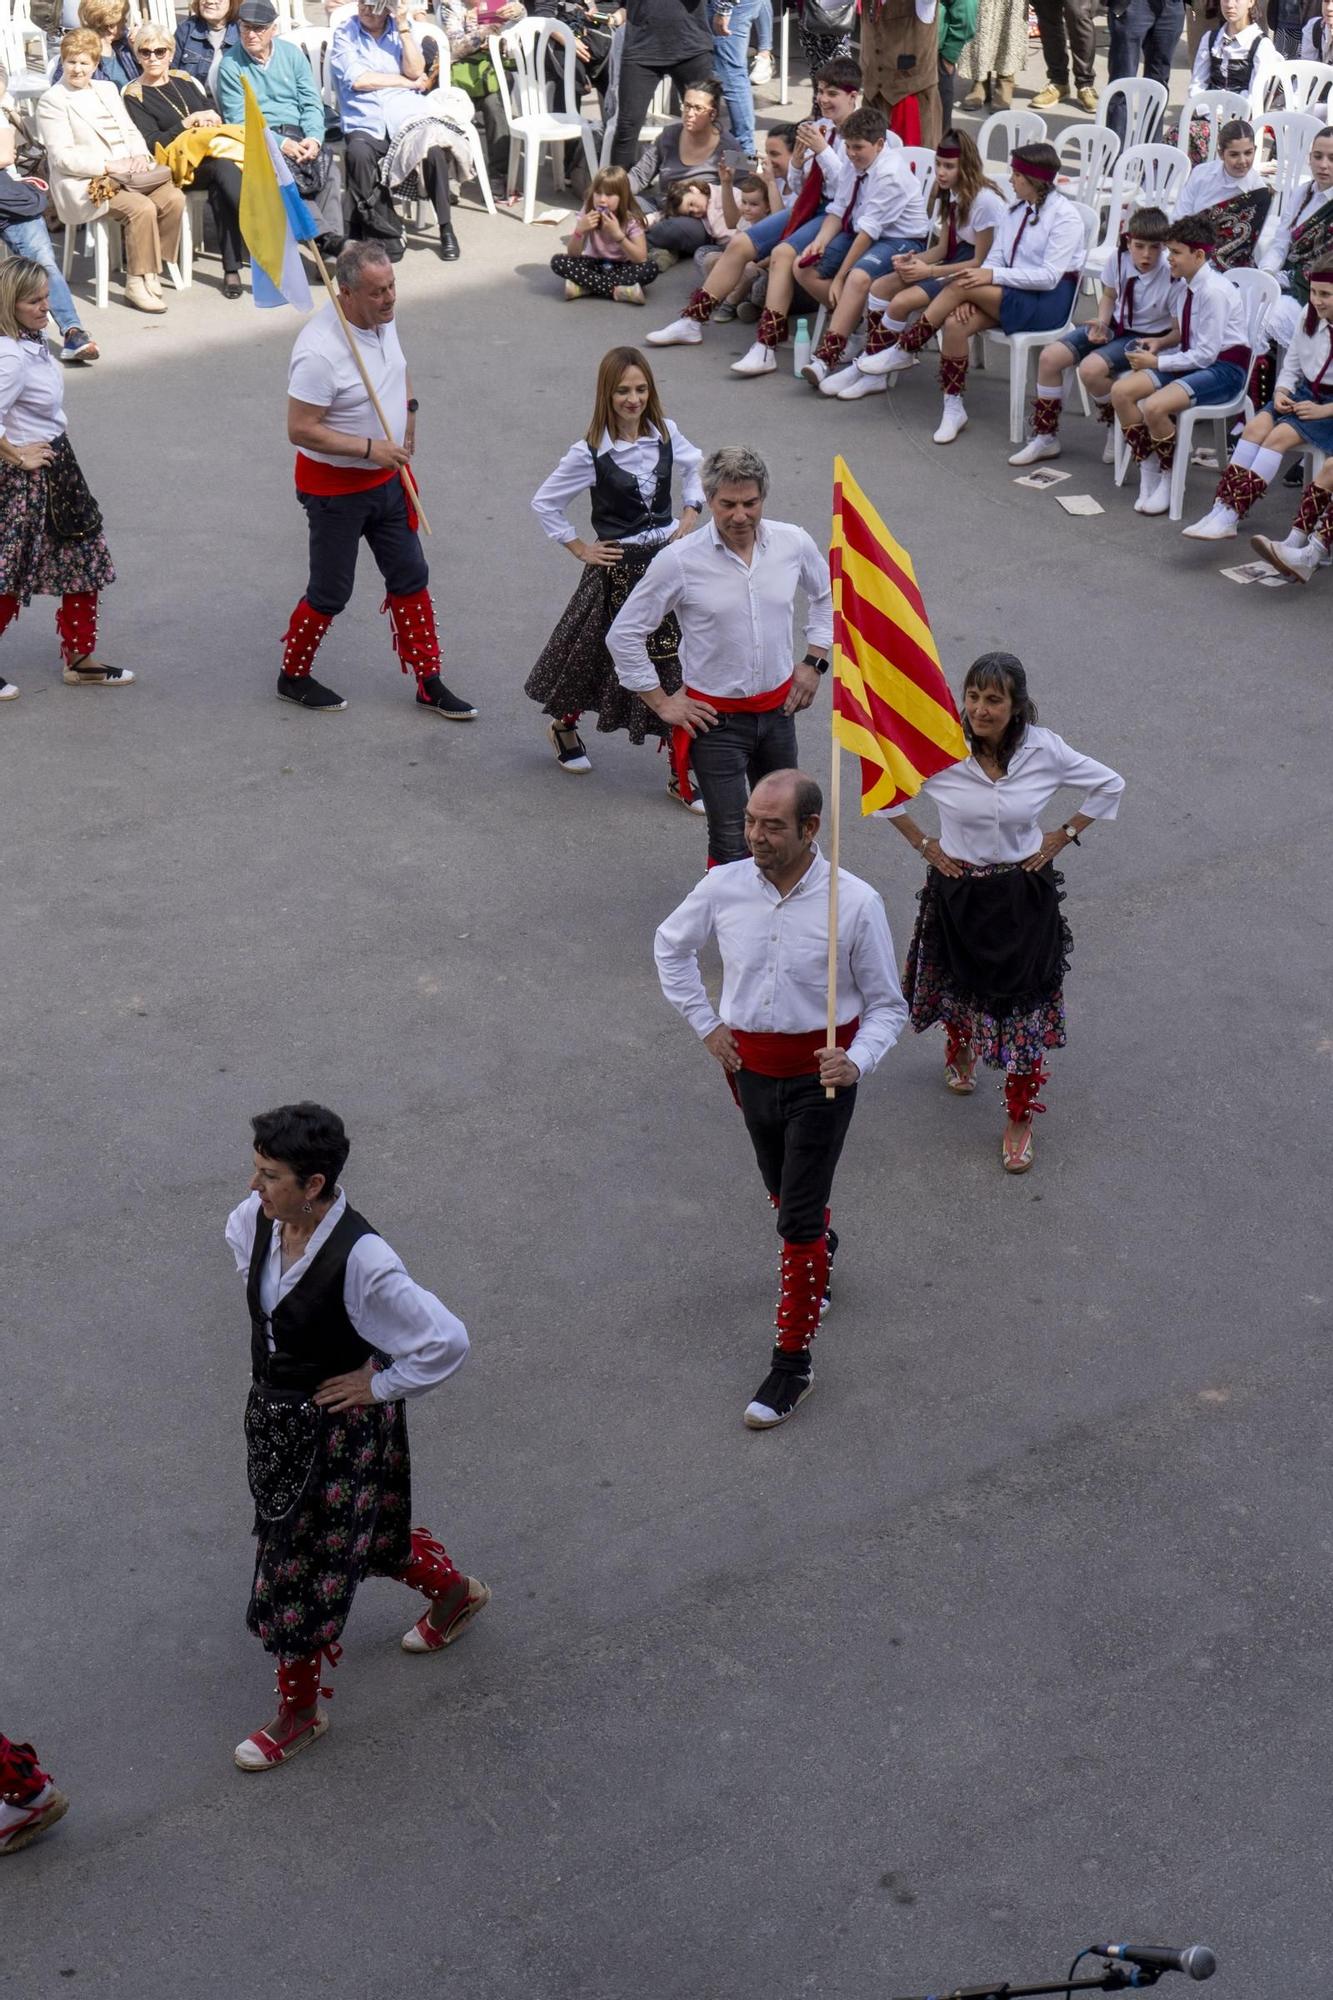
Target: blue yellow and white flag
<point>274,218</point>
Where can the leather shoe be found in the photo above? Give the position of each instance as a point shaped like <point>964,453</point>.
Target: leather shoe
<point>449,249</point>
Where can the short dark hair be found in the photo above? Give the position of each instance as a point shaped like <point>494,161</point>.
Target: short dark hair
<point>753,184</point>
<point>843,73</point>
<point>1038,154</point>
<point>308,1138</point>
<point>807,799</point>
<point>1191,233</point>
<point>709,87</point>
<point>1006,672</point>
<point>866,123</point>
<point>1149,225</point>
<point>787,134</point>
<point>1234,129</point>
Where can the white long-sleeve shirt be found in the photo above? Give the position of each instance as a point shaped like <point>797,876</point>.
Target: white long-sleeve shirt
<point>1211,183</point>
<point>735,617</point>
<point>984,822</point>
<point>1212,317</point>
<point>1034,249</point>
<point>1308,356</point>
<point>774,953</point>
<point>1299,210</point>
<point>886,206</point>
<point>1233,52</point>
<point>577,473</point>
<point>32,394</point>
<point>387,1309</point>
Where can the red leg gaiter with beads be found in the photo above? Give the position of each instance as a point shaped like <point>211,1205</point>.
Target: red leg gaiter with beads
<point>953,372</point>
<point>301,640</point>
<point>700,306</point>
<point>916,335</point>
<point>1314,501</point>
<point>430,1568</point>
<point>21,1776</point>
<point>9,611</point>
<point>772,328</point>
<point>299,1680</point>
<point>415,639</point>
<point>804,1270</point>
<point>76,622</point>
<point>1021,1093</point>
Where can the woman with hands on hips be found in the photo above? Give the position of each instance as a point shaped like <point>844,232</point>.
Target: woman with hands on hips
<point>991,946</point>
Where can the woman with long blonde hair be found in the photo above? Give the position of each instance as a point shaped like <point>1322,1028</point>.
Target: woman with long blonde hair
<point>626,462</point>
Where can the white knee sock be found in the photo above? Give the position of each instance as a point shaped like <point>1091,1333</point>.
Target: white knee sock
<point>1265,464</point>
<point>1243,455</point>
<point>1056,394</point>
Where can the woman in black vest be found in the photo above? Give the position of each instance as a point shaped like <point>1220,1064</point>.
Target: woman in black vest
<point>626,461</point>
<point>339,1334</point>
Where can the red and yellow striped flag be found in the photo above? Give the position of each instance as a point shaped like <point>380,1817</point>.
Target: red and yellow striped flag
<point>891,703</point>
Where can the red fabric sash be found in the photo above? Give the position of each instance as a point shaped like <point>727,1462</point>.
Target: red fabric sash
<point>749,704</point>
<point>905,120</point>
<point>313,476</point>
<point>790,1055</point>
<point>807,203</point>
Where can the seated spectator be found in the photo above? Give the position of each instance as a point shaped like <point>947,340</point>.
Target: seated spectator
<point>203,38</point>
<point>1231,195</point>
<point>280,75</point>
<point>24,233</point>
<point>689,151</point>
<point>608,255</point>
<point>109,20</point>
<point>468,31</point>
<point>1304,236</point>
<point>95,152</point>
<point>380,74</point>
<point>164,103</point>
<point>742,205</point>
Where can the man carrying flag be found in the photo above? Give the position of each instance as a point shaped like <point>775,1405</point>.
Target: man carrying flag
<point>795,1083</point>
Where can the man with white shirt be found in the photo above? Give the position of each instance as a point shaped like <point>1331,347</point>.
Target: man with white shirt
<point>732,586</point>
<point>769,918</point>
<point>349,479</point>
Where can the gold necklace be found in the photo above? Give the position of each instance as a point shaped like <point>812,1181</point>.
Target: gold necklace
<point>174,102</point>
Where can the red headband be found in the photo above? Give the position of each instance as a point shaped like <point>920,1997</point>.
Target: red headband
<point>1320,277</point>
<point>1031,171</point>
<point>943,152</point>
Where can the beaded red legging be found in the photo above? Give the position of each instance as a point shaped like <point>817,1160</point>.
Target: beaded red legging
<point>76,621</point>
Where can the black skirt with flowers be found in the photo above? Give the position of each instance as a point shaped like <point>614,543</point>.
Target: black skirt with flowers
<point>989,956</point>
<point>353,1520</point>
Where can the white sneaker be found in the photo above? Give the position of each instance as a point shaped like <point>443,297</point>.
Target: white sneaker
<point>20,1825</point>
<point>1299,564</point>
<point>1108,449</point>
<point>952,420</point>
<point>833,385</point>
<point>814,372</point>
<point>756,360</point>
<point>1034,449</point>
<point>1219,524</point>
<point>887,361</point>
<point>1150,473</point>
<point>680,333</point>
<point>8,691</point>
<point>862,385</point>
<point>1159,499</point>
<point>761,69</point>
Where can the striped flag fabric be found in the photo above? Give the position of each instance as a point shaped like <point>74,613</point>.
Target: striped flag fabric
<point>274,218</point>
<point>892,706</point>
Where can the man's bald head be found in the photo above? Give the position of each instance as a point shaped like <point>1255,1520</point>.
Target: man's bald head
<point>781,821</point>
<point>791,793</point>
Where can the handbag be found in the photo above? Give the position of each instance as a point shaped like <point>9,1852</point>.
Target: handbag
<point>828,18</point>
<point>282,1433</point>
<point>72,514</point>
<point>311,176</point>
<point>105,187</point>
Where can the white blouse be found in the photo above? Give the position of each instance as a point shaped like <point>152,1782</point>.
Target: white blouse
<point>984,822</point>
<point>32,395</point>
<point>1034,249</point>
<point>384,1305</point>
<point>988,211</point>
<point>577,473</point>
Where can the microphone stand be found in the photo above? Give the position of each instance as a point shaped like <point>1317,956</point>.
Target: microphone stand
<point>1113,1980</point>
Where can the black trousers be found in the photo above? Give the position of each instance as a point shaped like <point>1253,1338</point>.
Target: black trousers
<point>339,523</point>
<point>638,81</point>
<point>221,182</point>
<point>373,213</point>
<point>1142,32</point>
<point>728,761</point>
<point>1054,18</point>
<point>945,81</point>
<point>797,1133</point>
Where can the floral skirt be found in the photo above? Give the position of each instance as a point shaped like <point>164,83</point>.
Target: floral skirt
<point>354,1521</point>
<point>32,562</point>
<point>575,675</point>
<point>1007,997</point>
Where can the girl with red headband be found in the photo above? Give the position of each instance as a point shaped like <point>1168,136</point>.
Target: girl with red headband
<point>1029,284</point>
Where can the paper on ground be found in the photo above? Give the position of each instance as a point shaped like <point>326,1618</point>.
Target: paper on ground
<point>1080,503</point>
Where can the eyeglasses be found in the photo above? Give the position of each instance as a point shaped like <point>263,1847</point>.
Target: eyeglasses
<point>163,51</point>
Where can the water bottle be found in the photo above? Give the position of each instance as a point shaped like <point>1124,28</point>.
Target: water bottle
<point>801,356</point>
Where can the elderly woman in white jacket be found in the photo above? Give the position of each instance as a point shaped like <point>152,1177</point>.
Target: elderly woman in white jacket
<point>89,135</point>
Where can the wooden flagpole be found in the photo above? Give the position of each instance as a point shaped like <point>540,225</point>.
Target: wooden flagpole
<point>835,816</point>
<point>404,472</point>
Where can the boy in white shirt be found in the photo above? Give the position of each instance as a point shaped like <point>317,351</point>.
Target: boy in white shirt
<point>1137,309</point>
<point>1208,366</point>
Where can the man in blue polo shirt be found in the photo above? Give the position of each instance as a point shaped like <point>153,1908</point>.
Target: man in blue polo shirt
<point>380,75</point>
<point>284,84</point>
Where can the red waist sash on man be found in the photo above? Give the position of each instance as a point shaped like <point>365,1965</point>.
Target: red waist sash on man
<point>750,704</point>
<point>790,1055</point>
<point>328,482</point>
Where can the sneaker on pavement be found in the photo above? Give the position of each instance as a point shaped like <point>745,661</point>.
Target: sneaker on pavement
<point>756,360</point>
<point>1036,448</point>
<point>20,1825</point>
<point>307,693</point>
<point>781,1392</point>
<point>680,333</point>
<point>953,419</point>
<point>440,700</point>
<point>1219,524</point>
<point>573,291</point>
<point>815,372</point>
<point>887,362</point>
<point>8,691</point>
<point>94,673</point>
<point>863,385</point>
<point>1087,97</point>
<point>570,751</point>
<point>1158,500</point>
<point>761,69</point>
<point>1299,564</point>
<point>78,346</point>
<point>833,385</point>
<point>725,312</point>
<point>1049,94</point>
<point>628,295</point>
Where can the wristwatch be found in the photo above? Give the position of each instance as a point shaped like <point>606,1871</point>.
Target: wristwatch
<point>814,660</point>
<point>1071,833</point>
<point>412,406</point>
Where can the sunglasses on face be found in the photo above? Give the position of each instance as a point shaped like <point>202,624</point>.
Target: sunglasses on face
<point>155,52</point>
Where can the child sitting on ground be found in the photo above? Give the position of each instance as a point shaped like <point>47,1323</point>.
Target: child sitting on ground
<point>748,201</point>
<point>1135,311</point>
<point>608,254</point>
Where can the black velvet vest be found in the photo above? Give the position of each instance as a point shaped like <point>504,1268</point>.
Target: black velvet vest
<point>1236,73</point>
<point>617,503</point>
<point>312,1335</point>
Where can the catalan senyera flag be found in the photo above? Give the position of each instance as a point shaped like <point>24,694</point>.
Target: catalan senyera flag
<point>891,703</point>
<point>273,216</point>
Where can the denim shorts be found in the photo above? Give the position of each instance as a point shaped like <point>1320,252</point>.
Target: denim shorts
<point>1221,383</point>
<point>766,235</point>
<point>1113,352</point>
<point>878,258</point>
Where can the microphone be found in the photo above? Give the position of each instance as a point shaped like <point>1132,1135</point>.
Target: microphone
<point>1196,1961</point>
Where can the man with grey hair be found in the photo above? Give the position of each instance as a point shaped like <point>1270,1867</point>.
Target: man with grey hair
<point>349,479</point>
<point>732,585</point>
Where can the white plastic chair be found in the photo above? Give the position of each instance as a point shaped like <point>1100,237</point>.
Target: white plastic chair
<point>1145,101</point>
<point>1003,130</point>
<point>1143,177</point>
<point>1303,84</point>
<point>535,123</point>
<point>1261,292</point>
<point>97,240</point>
<point>161,13</point>
<point>1022,345</point>
<point>1293,134</point>
<point>920,163</point>
<point>315,45</point>
<point>1212,109</point>
<point>1087,156</point>
<point>20,39</point>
